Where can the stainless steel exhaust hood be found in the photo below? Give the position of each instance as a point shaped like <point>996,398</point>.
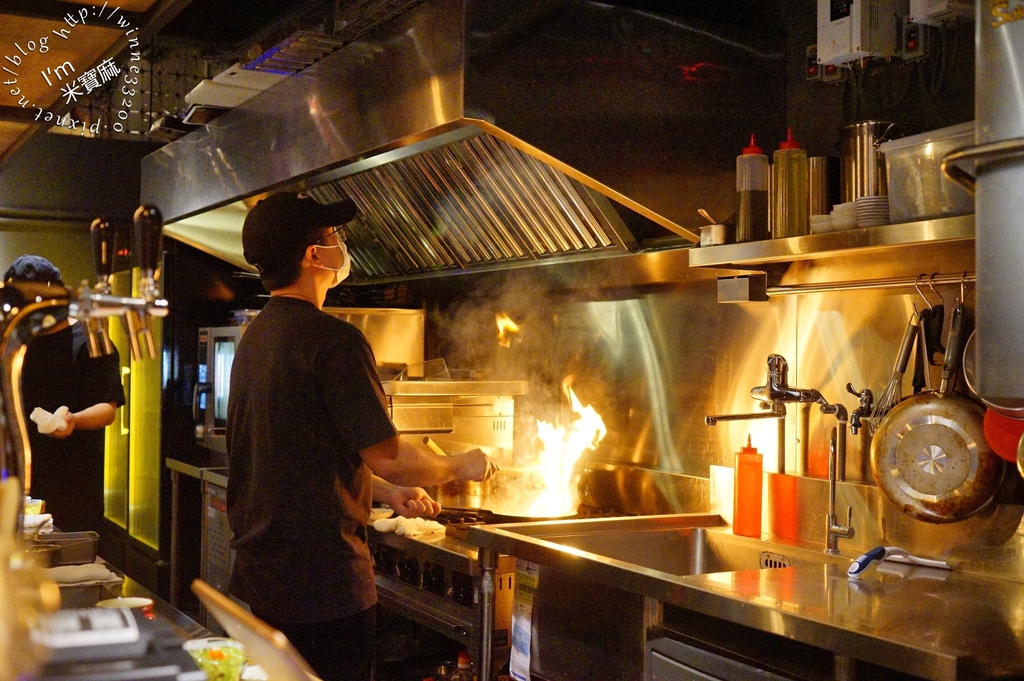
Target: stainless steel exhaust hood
<point>474,134</point>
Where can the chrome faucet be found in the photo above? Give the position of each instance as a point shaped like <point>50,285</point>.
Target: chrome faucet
<point>833,530</point>
<point>773,396</point>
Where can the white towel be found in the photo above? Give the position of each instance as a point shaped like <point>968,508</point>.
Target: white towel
<point>42,523</point>
<point>408,527</point>
<point>90,573</point>
<point>47,422</point>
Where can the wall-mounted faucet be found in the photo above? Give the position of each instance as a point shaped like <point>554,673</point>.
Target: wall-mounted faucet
<point>773,396</point>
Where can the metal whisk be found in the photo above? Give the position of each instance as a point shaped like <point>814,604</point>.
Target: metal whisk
<point>894,390</point>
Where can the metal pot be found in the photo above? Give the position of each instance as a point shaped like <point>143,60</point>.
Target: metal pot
<point>929,454</point>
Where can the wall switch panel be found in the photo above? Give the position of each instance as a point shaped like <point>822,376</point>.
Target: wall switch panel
<point>853,29</point>
<point>936,12</point>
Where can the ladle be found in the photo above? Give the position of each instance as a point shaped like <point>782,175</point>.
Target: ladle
<point>704,214</point>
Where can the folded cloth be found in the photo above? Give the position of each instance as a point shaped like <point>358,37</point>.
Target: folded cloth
<point>90,573</point>
<point>47,422</point>
<point>408,527</point>
<point>42,522</point>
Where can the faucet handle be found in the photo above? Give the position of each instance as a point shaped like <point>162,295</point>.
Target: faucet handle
<point>148,225</point>
<point>849,521</point>
<point>104,238</point>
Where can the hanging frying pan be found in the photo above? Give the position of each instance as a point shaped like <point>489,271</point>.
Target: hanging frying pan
<point>929,455</point>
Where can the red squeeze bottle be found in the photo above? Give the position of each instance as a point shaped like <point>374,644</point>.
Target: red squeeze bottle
<point>746,519</point>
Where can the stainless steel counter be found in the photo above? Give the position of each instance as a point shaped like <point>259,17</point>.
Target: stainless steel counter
<point>936,624</point>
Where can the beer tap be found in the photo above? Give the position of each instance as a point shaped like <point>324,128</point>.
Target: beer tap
<point>104,243</point>
<point>98,303</point>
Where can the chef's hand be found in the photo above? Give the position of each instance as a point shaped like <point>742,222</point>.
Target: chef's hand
<point>65,430</point>
<point>412,502</point>
<point>474,465</point>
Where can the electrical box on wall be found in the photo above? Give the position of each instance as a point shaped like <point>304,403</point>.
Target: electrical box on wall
<point>936,12</point>
<point>852,29</point>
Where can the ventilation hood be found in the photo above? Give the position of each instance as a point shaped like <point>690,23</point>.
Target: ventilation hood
<point>475,134</point>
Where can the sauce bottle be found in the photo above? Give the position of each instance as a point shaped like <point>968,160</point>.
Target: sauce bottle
<point>751,194</point>
<point>789,189</point>
<point>746,517</point>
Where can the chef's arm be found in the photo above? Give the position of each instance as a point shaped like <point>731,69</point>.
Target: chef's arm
<point>408,464</point>
<point>95,417</point>
<point>410,502</point>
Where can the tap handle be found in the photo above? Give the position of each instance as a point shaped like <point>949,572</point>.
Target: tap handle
<point>865,396</point>
<point>104,238</point>
<point>148,225</point>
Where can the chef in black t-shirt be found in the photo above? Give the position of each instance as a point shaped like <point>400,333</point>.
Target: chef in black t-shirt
<point>310,445</point>
<point>67,464</point>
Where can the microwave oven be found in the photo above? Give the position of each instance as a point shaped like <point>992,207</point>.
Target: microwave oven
<point>395,335</point>
<point>213,377</point>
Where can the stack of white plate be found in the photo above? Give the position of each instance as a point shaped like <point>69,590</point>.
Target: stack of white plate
<point>872,211</point>
<point>844,216</point>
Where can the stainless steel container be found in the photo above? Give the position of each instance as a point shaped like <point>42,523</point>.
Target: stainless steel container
<point>862,165</point>
<point>817,186</point>
<point>999,203</point>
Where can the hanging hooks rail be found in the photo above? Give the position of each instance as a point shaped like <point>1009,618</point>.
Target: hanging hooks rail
<point>960,278</point>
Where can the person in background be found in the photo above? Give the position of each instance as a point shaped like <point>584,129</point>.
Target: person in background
<point>67,463</point>
<point>310,446</point>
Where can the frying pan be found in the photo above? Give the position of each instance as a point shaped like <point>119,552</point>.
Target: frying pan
<point>970,376</point>
<point>929,455</point>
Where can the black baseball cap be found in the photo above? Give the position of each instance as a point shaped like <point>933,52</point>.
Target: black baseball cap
<point>280,226</point>
<point>33,268</point>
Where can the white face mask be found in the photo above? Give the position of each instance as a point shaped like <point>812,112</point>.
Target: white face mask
<point>340,273</point>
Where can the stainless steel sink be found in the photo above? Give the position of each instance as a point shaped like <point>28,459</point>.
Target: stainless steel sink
<point>686,544</point>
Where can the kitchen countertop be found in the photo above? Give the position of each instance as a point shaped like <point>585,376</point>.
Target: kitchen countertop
<point>936,624</point>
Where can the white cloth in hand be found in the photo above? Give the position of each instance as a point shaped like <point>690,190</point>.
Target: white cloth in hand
<point>90,573</point>
<point>408,527</point>
<point>43,522</point>
<point>47,422</point>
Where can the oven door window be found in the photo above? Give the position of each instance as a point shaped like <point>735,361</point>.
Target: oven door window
<point>223,356</point>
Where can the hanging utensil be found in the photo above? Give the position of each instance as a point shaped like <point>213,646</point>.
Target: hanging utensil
<point>933,327</point>
<point>1003,434</point>
<point>929,455</point>
<point>922,374</point>
<point>971,379</point>
<point>894,390</point>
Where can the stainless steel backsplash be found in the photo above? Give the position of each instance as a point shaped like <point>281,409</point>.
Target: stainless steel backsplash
<point>654,360</point>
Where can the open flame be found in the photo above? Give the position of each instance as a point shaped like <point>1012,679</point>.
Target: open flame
<point>560,448</point>
<point>506,329</point>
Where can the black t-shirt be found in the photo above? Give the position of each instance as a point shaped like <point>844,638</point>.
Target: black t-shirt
<point>68,473</point>
<point>304,401</point>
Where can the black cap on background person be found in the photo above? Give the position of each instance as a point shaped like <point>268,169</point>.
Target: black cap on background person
<point>279,228</point>
<point>33,268</point>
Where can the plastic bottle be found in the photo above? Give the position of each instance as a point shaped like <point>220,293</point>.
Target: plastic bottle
<point>789,188</point>
<point>746,518</point>
<point>464,672</point>
<point>752,193</point>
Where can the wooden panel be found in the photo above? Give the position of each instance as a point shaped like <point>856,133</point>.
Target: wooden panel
<point>126,5</point>
<point>23,81</point>
<point>9,132</point>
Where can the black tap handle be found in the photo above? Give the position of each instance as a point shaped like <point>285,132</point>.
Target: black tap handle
<point>103,246</point>
<point>148,225</point>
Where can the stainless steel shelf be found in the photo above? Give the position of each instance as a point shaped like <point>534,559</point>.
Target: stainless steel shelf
<point>831,244</point>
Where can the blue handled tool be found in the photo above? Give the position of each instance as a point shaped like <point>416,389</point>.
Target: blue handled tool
<point>895,554</point>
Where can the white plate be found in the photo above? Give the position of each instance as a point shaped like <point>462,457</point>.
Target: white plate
<point>126,602</point>
<point>380,513</point>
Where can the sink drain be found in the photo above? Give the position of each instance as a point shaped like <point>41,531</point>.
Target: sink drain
<point>774,560</point>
